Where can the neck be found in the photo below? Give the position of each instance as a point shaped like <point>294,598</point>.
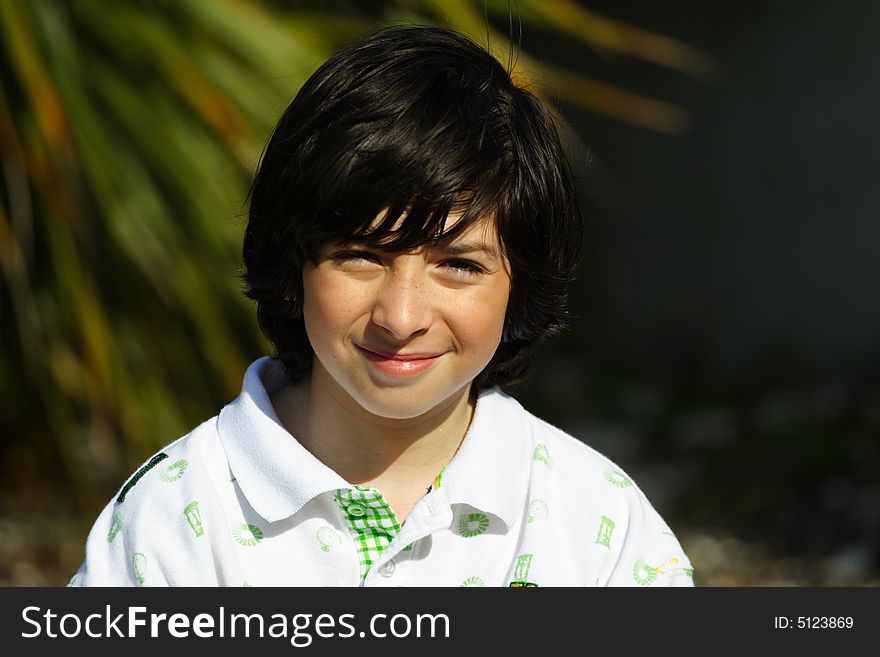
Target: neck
<point>391,454</point>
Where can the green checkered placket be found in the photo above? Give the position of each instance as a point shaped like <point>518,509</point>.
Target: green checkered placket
<point>371,521</point>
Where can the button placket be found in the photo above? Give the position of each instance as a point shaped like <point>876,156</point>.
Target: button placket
<point>428,516</point>
<point>371,523</point>
<point>387,568</point>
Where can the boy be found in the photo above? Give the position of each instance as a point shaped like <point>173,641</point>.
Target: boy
<point>412,228</point>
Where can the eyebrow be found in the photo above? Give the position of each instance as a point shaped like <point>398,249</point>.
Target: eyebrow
<point>466,248</point>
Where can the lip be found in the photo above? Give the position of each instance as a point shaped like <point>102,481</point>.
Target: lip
<point>399,365</point>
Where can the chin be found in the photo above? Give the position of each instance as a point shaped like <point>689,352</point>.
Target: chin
<point>399,404</point>
<point>396,409</point>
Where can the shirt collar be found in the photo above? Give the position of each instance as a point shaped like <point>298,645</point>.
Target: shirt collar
<point>274,471</point>
<point>278,476</point>
<point>491,469</point>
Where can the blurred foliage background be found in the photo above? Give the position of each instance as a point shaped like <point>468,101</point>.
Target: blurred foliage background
<point>129,133</point>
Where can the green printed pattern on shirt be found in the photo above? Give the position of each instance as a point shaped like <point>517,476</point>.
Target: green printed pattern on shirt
<point>371,521</point>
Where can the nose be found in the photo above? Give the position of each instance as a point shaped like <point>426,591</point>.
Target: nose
<point>402,305</point>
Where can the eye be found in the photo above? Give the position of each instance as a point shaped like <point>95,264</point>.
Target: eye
<point>355,257</point>
<point>464,268</point>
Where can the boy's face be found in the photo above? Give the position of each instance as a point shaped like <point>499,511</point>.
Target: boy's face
<point>401,333</point>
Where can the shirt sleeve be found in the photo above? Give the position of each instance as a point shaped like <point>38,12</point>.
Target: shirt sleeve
<point>651,554</point>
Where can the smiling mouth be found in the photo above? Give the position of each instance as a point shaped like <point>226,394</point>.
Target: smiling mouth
<point>399,365</point>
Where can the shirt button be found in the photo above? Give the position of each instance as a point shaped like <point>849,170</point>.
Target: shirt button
<point>356,509</point>
<point>387,568</point>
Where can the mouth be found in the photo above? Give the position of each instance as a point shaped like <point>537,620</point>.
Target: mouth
<point>399,364</point>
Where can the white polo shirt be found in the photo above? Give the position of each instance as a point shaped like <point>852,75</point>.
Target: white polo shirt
<point>240,502</point>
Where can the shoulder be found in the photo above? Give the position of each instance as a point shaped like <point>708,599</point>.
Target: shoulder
<point>604,507</point>
<point>559,463</point>
<point>174,471</point>
<point>558,450</point>
<point>149,532</point>
<point>580,471</point>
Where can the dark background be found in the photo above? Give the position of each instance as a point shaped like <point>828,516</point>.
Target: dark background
<point>725,340</point>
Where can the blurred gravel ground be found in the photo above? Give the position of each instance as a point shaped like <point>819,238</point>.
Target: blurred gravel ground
<point>720,559</point>
<point>39,549</point>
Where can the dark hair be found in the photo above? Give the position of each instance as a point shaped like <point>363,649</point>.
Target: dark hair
<point>419,122</point>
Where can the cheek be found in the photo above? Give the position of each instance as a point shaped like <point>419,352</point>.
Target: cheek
<point>479,326</point>
<point>328,308</point>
